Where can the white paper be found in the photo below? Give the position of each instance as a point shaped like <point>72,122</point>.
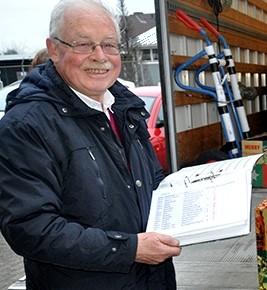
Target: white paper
<point>205,202</point>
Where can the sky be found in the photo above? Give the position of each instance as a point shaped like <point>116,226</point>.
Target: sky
<point>24,23</point>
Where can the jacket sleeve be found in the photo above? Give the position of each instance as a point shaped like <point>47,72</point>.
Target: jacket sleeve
<point>30,210</point>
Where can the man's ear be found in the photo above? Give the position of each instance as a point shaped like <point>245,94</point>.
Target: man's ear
<point>52,50</point>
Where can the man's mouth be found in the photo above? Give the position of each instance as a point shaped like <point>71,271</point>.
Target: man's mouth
<point>97,70</point>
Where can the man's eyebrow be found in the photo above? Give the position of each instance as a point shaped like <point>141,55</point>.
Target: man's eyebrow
<point>86,38</point>
<point>83,37</point>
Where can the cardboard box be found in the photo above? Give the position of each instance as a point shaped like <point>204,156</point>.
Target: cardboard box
<point>255,145</point>
<point>261,242</point>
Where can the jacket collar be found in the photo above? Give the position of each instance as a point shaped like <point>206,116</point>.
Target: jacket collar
<point>125,100</point>
<point>44,84</point>
<point>107,102</point>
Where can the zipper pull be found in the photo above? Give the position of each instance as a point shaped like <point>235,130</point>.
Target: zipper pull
<point>91,154</point>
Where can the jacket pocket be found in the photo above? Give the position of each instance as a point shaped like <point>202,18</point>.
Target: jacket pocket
<point>84,196</point>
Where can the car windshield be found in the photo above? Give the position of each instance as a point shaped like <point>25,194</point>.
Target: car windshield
<point>149,101</point>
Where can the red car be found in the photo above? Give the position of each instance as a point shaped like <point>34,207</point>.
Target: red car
<point>152,97</point>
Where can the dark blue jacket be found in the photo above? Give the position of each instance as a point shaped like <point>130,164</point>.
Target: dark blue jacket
<point>72,196</point>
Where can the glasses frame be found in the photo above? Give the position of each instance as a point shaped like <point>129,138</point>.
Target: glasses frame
<point>91,50</point>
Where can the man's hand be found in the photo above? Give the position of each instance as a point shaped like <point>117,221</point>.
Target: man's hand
<point>154,248</point>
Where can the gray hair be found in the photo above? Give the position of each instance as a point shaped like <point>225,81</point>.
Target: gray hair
<point>58,12</point>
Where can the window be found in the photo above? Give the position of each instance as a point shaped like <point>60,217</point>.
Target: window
<point>146,54</point>
<point>155,54</point>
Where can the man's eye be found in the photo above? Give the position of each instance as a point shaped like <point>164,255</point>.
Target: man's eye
<point>84,45</point>
<point>109,45</point>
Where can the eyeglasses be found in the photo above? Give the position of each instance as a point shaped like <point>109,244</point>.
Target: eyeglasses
<point>111,48</point>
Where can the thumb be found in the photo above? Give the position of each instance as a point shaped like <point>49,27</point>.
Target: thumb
<point>168,240</point>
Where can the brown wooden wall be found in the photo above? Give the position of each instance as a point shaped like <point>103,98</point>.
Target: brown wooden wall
<point>241,31</point>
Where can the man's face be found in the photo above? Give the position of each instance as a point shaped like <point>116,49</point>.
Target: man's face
<point>89,73</point>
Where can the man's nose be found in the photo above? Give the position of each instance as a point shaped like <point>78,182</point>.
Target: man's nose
<point>98,52</point>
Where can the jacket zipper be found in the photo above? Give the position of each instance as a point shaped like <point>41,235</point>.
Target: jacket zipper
<point>97,169</point>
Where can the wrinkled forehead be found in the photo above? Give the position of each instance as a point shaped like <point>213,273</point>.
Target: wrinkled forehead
<point>79,19</point>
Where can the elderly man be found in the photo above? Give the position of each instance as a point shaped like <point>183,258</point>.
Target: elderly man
<point>76,167</point>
